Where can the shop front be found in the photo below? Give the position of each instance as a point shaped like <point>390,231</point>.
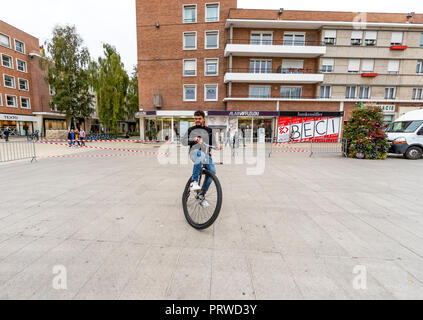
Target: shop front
<point>247,126</point>
<point>18,125</point>
<point>310,126</point>
<point>164,125</point>
<point>251,126</point>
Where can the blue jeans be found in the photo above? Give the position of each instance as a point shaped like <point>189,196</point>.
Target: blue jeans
<point>199,157</point>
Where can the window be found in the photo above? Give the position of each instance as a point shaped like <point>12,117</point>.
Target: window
<point>190,68</point>
<point>9,81</point>
<point>396,38</point>
<point>351,92</point>
<point>262,38</point>
<point>261,66</point>
<point>212,12</point>
<point>1,100</point>
<point>212,40</point>
<point>51,91</point>
<point>327,65</point>
<point>371,38</point>
<point>294,39</point>
<point>421,40</point>
<point>419,68</point>
<point>291,92</point>
<point>330,37</point>
<point>190,40</point>
<point>211,67</point>
<point>390,93</point>
<point>25,103</point>
<point>21,65</point>
<point>190,13</point>
<point>190,92</point>
<point>404,126</point>
<point>23,84</point>
<point>19,46</point>
<point>292,66</point>
<point>356,38</point>
<point>393,66</point>
<point>354,65</point>
<point>417,94</point>
<point>4,40</point>
<point>325,92</point>
<point>261,92</point>
<point>11,101</point>
<point>7,61</point>
<point>364,92</point>
<point>210,92</point>
<point>368,65</point>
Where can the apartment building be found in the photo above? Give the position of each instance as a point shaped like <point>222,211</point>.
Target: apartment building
<point>253,69</point>
<point>24,93</point>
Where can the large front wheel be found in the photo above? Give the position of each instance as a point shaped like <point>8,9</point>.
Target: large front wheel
<point>198,215</point>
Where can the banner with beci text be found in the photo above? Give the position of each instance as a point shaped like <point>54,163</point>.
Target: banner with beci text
<point>307,129</point>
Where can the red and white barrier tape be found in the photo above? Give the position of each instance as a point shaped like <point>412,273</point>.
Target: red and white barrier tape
<point>291,151</point>
<point>103,148</point>
<point>91,156</point>
<point>116,141</point>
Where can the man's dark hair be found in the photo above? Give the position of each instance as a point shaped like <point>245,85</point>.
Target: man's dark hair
<point>200,114</point>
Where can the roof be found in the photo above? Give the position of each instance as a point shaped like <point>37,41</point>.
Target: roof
<point>412,115</point>
<point>374,17</point>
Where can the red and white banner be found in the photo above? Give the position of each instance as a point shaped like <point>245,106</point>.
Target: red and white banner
<point>298,129</point>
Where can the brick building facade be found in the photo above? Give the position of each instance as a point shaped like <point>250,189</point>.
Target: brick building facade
<point>246,66</point>
<point>24,92</point>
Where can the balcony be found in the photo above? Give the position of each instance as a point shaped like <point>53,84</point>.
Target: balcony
<point>272,48</point>
<point>284,76</point>
<point>398,47</point>
<point>369,74</point>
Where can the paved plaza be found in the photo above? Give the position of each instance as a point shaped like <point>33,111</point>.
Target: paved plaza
<point>298,231</point>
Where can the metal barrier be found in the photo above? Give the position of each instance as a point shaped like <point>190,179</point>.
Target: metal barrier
<point>330,146</point>
<point>17,150</point>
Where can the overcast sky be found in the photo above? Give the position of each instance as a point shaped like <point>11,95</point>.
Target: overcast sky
<point>112,21</point>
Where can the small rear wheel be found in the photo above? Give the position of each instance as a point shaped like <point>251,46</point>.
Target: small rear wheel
<point>198,216</point>
<point>414,153</point>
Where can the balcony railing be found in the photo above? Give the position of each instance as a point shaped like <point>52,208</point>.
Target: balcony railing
<point>268,71</point>
<point>289,43</point>
<point>282,75</point>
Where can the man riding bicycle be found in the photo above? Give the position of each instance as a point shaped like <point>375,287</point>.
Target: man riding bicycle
<point>200,139</point>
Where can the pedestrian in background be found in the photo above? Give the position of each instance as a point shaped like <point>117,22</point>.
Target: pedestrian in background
<point>77,138</point>
<point>82,136</point>
<point>228,137</point>
<point>6,134</point>
<point>71,138</point>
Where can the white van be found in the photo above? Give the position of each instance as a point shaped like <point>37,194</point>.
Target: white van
<point>406,135</point>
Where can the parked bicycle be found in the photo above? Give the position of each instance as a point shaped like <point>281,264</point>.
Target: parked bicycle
<point>34,136</point>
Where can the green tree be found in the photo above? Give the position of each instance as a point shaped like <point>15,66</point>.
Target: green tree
<point>110,82</point>
<point>132,101</point>
<point>365,135</point>
<point>67,62</point>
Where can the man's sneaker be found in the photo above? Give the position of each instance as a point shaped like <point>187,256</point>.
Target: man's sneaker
<point>194,186</point>
<point>203,201</point>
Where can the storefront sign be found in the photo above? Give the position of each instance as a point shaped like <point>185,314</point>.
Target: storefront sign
<point>388,109</point>
<point>318,114</point>
<point>141,114</point>
<point>304,129</point>
<point>14,117</point>
<point>244,114</point>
